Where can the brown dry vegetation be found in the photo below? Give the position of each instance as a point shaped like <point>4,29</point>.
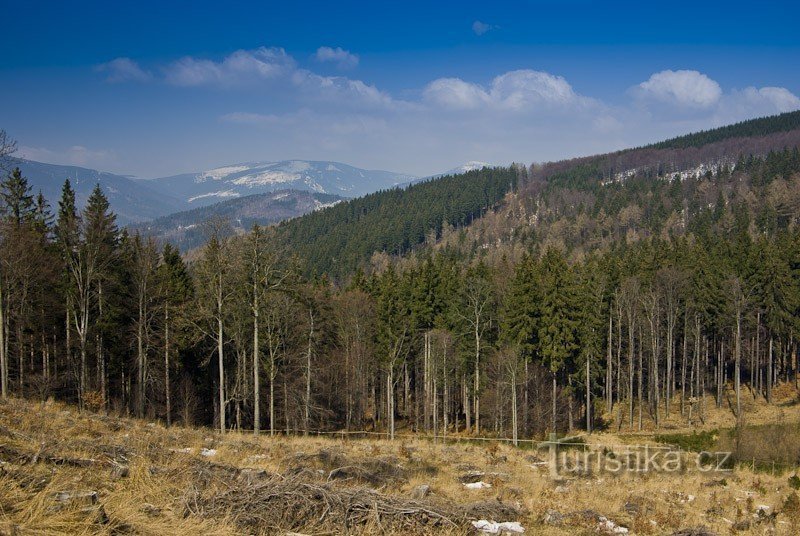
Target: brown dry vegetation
<point>153,480</point>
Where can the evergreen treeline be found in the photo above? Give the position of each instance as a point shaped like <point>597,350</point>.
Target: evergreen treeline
<point>744,129</point>
<point>563,307</point>
<point>338,240</point>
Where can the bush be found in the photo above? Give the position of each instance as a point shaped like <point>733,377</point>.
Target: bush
<point>696,442</point>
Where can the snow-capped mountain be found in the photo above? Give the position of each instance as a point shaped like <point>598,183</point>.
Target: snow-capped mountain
<point>186,229</point>
<point>472,165</point>
<point>463,168</point>
<point>214,185</point>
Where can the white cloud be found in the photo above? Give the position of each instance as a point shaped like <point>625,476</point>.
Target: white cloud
<point>276,67</point>
<point>341,89</point>
<point>249,118</point>
<point>123,70</point>
<point>455,94</point>
<point>775,99</point>
<point>344,59</point>
<point>522,90</point>
<point>240,67</point>
<point>683,88</point>
<point>520,115</point>
<point>481,28</point>
<point>694,100</point>
<point>76,155</point>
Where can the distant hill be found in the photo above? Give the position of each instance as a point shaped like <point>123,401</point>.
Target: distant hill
<point>761,126</point>
<point>657,186</point>
<point>339,240</point>
<point>212,186</point>
<point>186,229</point>
<point>465,167</point>
<point>132,200</point>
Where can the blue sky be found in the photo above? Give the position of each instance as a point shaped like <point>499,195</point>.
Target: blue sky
<point>158,88</point>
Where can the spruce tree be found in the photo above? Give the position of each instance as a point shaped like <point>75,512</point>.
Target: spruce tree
<point>18,205</point>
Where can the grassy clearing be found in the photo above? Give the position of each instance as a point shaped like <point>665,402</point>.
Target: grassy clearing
<point>153,480</point>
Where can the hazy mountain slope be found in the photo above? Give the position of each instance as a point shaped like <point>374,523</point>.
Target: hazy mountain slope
<point>186,230</point>
<point>238,180</point>
<point>130,199</point>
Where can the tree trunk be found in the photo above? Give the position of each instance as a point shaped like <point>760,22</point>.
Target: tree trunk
<point>514,427</point>
<point>221,364</point>
<point>477,403</point>
<point>737,357</point>
<point>683,366</point>
<point>390,399</point>
<point>769,371</point>
<point>256,365</point>
<point>3,347</point>
<point>166,366</point>
<point>640,379</point>
<point>588,398</point>
<point>553,424</point>
<point>140,360</point>
<point>610,366</point>
<point>307,413</point>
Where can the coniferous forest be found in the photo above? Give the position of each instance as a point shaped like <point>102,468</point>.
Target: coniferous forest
<point>511,302</point>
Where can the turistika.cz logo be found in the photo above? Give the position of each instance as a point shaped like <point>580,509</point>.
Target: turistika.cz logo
<point>571,458</point>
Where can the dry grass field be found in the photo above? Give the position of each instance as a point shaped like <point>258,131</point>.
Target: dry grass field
<point>62,472</point>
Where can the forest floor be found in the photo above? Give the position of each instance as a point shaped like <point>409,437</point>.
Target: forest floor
<point>785,408</point>
<point>64,472</point>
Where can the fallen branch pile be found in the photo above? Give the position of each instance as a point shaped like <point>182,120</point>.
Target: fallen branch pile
<point>288,503</point>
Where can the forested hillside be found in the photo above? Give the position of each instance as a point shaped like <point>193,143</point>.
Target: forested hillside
<point>187,229</point>
<point>512,302</point>
<point>339,240</point>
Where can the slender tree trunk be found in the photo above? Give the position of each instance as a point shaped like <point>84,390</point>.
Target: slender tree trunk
<point>20,361</point>
<point>758,354</point>
<point>390,399</point>
<point>514,426</point>
<point>553,424</point>
<point>683,359</point>
<point>426,381</point>
<point>631,356</point>
<point>588,397</point>
<point>477,377</point>
<point>307,413</point>
<point>640,393</point>
<point>272,376</point>
<point>140,360</point>
<point>221,363</point>
<point>256,365</point>
<point>769,371</point>
<point>166,366</point>
<point>525,400</point>
<point>738,357</point>
<point>3,346</point>
<point>101,357</point>
<point>610,365</point>
<point>467,404</point>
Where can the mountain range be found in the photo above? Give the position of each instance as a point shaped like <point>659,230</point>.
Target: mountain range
<point>140,200</point>
<point>186,229</point>
<point>214,185</point>
<point>132,200</point>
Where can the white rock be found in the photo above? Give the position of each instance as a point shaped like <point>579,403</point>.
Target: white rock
<point>493,527</point>
<point>208,452</point>
<point>477,485</point>
<point>609,527</point>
